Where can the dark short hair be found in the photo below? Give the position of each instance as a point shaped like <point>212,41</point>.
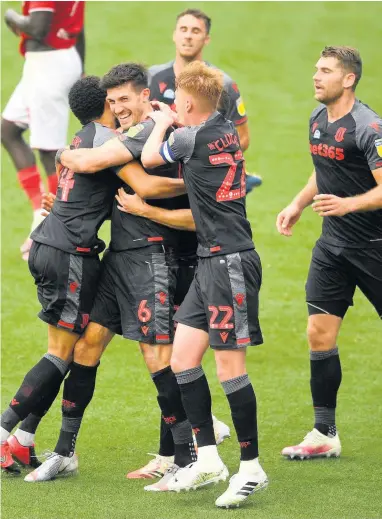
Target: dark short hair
<point>197,13</point>
<point>349,58</point>
<point>87,99</point>
<point>132,73</point>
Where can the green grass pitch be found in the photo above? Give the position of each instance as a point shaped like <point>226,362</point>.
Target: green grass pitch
<point>270,49</point>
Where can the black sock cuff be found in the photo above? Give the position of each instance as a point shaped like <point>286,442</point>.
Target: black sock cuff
<point>322,355</point>
<point>60,364</point>
<point>163,371</point>
<point>189,375</point>
<point>235,384</point>
<point>84,370</point>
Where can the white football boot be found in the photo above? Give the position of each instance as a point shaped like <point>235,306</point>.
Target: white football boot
<point>161,485</point>
<point>241,486</point>
<point>221,430</point>
<point>314,445</point>
<point>55,466</point>
<point>192,477</point>
<point>155,468</point>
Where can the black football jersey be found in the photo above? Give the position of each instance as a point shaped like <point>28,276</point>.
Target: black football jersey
<point>129,231</point>
<point>214,173</point>
<point>83,201</point>
<point>162,88</point>
<point>344,153</point>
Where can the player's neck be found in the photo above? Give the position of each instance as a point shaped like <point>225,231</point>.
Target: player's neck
<point>195,119</point>
<point>108,120</point>
<point>180,62</point>
<point>341,107</point>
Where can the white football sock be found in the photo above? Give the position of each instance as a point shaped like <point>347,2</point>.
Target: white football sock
<point>250,466</point>
<point>209,459</point>
<point>25,438</point>
<point>4,435</point>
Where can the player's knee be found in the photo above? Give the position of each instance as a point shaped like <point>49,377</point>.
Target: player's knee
<point>89,348</point>
<point>320,337</point>
<point>229,366</point>
<point>9,132</point>
<point>178,364</point>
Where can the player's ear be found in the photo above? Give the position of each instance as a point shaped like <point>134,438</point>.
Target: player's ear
<point>349,80</point>
<point>145,94</point>
<point>207,40</point>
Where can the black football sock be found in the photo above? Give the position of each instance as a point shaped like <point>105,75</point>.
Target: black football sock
<point>242,401</point>
<point>166,441</point>
<point>32,421</point>
<point>78,392</point>
<point>196,399</point>
<point>47,372</point>
<point>174,416</point>
<point>326,375</point>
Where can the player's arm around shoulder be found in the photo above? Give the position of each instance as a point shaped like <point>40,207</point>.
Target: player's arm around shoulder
<point>91,160</point>
<point>150,186</point>
<point>180,219</point>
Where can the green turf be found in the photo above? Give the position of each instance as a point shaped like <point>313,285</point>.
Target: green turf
<point>270,49</point>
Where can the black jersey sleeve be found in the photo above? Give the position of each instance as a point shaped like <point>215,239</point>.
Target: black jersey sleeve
<point>136,136</point>
<point>179,145</point>
<point>369,141</point>
<point>232,103</point>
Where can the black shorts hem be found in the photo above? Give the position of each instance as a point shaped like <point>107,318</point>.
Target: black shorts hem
<point>191,324</point>
<point>53,321</point>
<point>233,346</point>
<point>148,340</point>
<point>113,329</point>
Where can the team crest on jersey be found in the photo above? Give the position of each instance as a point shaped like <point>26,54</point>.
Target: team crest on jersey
<point>340,134</point>
<point>378,145</point>
<point>134,130</point>
<point>317,134</point>
<point>169,94</point>
<point>375,126</point>
<point>240,106</point>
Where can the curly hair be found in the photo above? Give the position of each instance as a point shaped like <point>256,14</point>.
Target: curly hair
<point>87,99</point>
<point>132,73</point>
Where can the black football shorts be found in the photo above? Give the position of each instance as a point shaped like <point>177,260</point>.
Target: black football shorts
<point>224,300</point>
<point>135,296</point>
<point>66,285</point>
<point>334,274</point>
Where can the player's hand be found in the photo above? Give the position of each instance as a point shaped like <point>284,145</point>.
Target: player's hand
<point>47,202</point>
<point>164,119</point>
<point>287,218</point>
<point>161,107</point>
<point>10,18</point>
<point>132,204</point>
<point>332,205</point>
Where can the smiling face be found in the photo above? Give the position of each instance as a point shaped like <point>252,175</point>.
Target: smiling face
<point>331,80</point>
<point>128,104</point>
<point>190,36</point>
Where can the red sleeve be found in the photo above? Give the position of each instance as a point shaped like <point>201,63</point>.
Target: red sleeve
<point>41,6</point>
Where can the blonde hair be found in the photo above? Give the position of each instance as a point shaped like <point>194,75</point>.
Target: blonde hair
<point>202,82</point>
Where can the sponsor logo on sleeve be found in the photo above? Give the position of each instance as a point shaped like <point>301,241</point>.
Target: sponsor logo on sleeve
<point>240,106</point>
<point>317,134</point>
<point>378,145</point>
<point>134,130</point>
<point>171,139</point>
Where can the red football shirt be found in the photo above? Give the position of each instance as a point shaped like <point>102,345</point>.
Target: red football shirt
<point>67,22</point>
